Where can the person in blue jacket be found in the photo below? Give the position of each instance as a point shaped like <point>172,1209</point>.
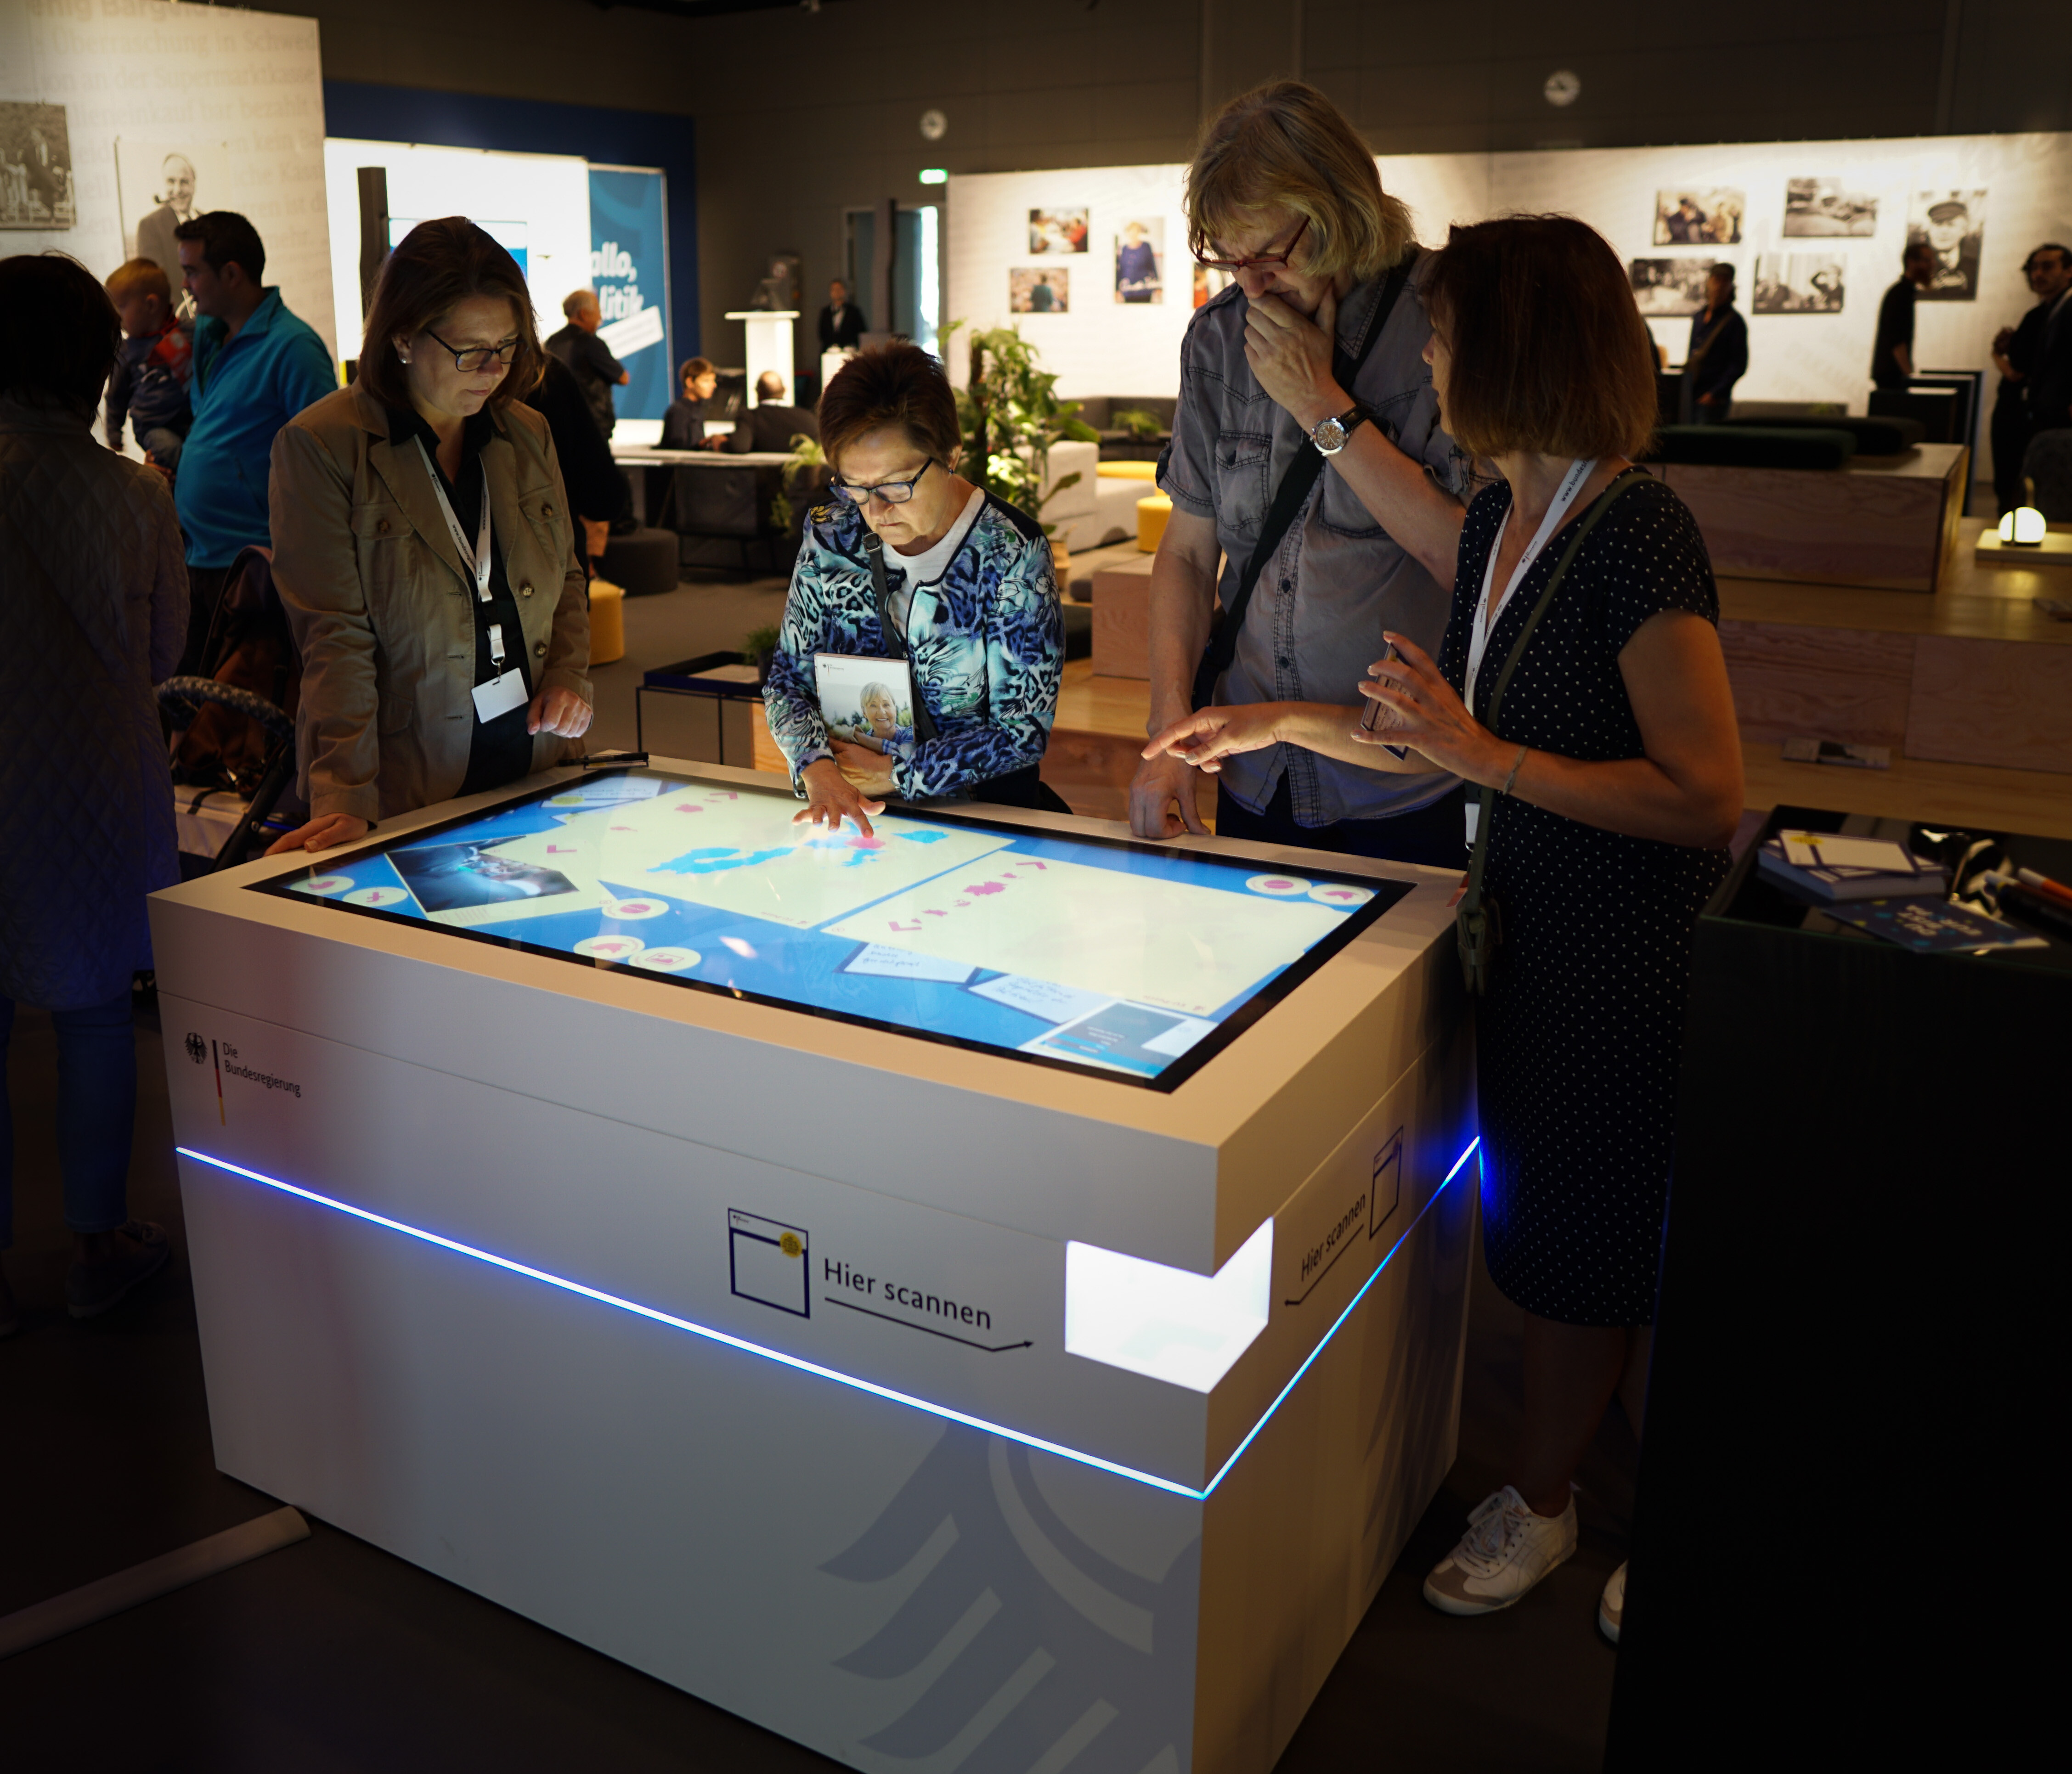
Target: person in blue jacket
<point>972,598</point>
<point>256,366</point>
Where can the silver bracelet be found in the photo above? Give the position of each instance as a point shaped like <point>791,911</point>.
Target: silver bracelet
<point>1517,764</point>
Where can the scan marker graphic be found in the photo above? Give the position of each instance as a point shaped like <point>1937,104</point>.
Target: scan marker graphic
<point>769,1262</point>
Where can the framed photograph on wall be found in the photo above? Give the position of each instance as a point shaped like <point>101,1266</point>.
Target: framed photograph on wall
<point>1057,230</point>
<point>1953,224</point>
<point>1039,289</point>
<point>1209,283</point>
<point>1664,287</point>
<point>1823,209</point>
<point>1799,283</point>
<point>35,167</point>
<point>1140,259</point>
<point>1699,216</point>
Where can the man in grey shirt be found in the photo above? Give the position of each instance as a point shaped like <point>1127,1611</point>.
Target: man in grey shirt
<point>1284,193</point>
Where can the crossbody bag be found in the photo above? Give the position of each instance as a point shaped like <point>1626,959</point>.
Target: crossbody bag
<point>1289,498</point>
<point>1478,922</point>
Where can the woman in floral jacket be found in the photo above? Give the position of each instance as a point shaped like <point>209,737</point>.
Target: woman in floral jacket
<point>970,597</point>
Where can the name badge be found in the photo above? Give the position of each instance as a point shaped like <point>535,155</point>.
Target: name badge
<point>500,696</point>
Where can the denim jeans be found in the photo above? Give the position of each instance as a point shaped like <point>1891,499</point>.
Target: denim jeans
<point>96,1112</point>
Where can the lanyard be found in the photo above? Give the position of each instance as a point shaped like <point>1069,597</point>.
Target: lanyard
<point>1485,617</point>
<point>479,558</point>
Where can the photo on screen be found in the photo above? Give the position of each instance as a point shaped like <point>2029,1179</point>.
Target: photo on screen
<point>1953,224</point>
<point>1817,209</point>
<point>1140,259</point>
<point>1699,216</point>
<point>451,877</point>
<point>1054,231</point>
<point>1663,287</point>
<point>1039,289</point>
<point>1799,283</point>
<point>35,170</point>
<point>867,702</point>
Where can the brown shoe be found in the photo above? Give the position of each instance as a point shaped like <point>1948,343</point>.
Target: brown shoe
<point>141,1250</point>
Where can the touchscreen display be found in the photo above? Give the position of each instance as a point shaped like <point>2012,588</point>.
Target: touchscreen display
<point>1100,954</point>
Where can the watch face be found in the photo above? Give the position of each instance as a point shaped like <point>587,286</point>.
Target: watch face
<point>1330,437</point>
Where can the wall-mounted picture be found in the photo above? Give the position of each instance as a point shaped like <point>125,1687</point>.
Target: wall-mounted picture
<point>1039,289</point>
<point>1669,286</point>
<point>1825,209</point>
<point>1140,259</point>
<point>35,167</point>
<point>1057,230</point>
<point>160,185</point>
<point>1953,224</point>
<point>1209,283</point>
<point>1708,216</point>
<point>1799,283</point>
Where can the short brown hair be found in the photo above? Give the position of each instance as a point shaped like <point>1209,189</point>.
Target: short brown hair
<point>891,385</point>
<point>226,238</point>
<point>1550,354</point>
<point>435,265</point>
<point>147,275</point>
<point>693,367</point>
<point>1285,143</point>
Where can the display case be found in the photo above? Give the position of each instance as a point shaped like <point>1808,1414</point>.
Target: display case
<point>984,1289</point>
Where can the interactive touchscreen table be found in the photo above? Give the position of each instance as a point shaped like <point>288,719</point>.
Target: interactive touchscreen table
<point>1073,950</point>
<point>985,1294</point>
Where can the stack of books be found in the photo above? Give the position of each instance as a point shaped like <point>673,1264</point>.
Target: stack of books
<point>1829,867</point>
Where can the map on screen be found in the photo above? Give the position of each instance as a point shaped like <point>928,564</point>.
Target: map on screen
<point>1127,960</point>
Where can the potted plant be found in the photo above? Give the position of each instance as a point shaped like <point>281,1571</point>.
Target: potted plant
<point>760,645</point>
<point>1010,416</point>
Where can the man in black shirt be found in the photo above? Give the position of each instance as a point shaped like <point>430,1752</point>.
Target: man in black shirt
<point>596,370</point>
<point>770,424</point>
<point>1892,357</point>
<point>842,323</point>
<point>2020,354</point>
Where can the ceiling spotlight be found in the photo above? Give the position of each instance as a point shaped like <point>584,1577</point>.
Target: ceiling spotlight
<point>934,126</point>
<point>1562,88</point>
<point>935,176</point>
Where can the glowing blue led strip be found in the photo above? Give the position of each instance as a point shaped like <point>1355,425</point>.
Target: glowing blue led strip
<point>836,1375</point>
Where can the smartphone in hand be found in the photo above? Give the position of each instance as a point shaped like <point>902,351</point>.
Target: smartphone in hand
<point>1373,708</point>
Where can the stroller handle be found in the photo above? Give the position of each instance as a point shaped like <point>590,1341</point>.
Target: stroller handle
<point>181,700</point>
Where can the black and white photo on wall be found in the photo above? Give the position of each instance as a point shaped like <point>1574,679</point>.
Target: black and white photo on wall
<point>1057,229</point>
<point>160,184</point>
<point>1799,283</point>
<point>1140,259</point>
<point>35,167</point>
<point>1670,286</point>
<point>1953,224</point>
<point>1825,209</point>
<point>1699,216</point>
<point>1039,289</point>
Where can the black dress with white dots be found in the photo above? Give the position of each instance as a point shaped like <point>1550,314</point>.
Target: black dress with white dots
<point>1580,1038</point>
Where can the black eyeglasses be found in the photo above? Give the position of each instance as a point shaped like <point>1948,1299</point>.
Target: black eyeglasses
<point>892,492</point>
<point>1236,266</point>
<point>476,358</point>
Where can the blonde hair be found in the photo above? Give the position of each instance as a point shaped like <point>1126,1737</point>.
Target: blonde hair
<point>147,275</point>
<point>1285,143</point>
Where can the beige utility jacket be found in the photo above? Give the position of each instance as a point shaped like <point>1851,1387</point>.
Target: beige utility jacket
<point>383,611</point>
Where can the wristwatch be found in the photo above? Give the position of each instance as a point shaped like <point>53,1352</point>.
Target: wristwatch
<point>1329,435</point>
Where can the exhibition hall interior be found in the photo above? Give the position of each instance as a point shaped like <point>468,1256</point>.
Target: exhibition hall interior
<point>1091,887</point>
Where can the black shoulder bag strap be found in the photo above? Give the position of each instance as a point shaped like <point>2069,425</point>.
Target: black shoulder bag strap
<point>1478,923</point>
<point>1289,498</point>
<point>895,642</point>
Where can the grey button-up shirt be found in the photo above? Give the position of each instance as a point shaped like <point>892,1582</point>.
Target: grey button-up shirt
<point>1338,579</point>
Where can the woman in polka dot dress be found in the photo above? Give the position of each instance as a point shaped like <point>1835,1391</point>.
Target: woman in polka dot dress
<point>1619,763</point>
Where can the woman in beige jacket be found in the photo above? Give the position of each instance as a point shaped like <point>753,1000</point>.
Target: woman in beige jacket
<point>425,552</point>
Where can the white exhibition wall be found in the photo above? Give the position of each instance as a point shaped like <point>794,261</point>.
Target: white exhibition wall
<point>1100,346</point>
<point>538,205</point>
<point>238,95</point>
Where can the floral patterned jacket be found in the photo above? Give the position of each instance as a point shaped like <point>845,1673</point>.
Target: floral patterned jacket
<point>986,642</point>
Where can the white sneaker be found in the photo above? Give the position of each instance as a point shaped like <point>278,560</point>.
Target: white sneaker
<point>1504,1554</point>
<point>1611,1605</point>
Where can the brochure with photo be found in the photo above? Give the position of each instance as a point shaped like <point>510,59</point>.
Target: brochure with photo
<point>867,702</point>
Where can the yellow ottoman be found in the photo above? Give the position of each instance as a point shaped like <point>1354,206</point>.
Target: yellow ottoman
<point>1151,516</point>
<point>607,623</point>
<point>1129,470</point>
